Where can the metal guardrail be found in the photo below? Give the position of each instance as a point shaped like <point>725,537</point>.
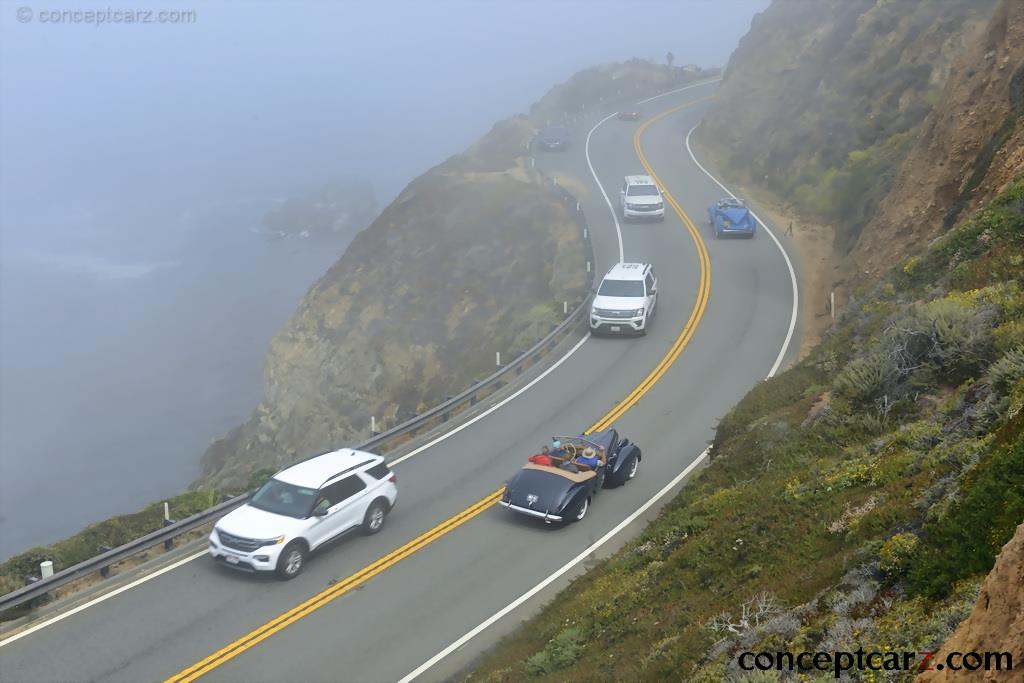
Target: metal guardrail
<point>387,440</point>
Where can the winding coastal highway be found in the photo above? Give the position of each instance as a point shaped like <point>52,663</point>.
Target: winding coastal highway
<point>451,572</point>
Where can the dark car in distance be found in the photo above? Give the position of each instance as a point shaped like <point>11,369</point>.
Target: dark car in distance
<point>631,113</point>
<point>560,486</point>
<point>554,138</point>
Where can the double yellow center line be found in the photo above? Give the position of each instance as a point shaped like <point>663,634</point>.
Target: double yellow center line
<point>342,587</point>
<point>703,288</point>
<point>337,590</point>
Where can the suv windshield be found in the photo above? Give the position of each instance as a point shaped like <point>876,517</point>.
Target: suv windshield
<point>284,499</point>
<point>621,288</point>
<point>642,191</point>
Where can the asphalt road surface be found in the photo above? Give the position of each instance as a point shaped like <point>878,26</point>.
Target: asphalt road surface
<point>422,600</point>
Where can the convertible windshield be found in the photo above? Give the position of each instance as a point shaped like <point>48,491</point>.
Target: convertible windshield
<point>284,499</point>
<point>642,191</point>
<point>621,288</point>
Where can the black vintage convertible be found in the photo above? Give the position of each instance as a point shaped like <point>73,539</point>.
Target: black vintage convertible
<point>559,486</point>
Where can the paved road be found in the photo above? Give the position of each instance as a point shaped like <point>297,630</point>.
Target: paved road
<point>406,614</point>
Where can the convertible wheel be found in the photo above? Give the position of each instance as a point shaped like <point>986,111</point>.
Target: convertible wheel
<point>292,560</point>
<point>634,467</point>
<point>581,510</point>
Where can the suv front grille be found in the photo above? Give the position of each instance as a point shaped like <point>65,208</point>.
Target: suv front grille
<point>246,545</point>
<point>606,313</point>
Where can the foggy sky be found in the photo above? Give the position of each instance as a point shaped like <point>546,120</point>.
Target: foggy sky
<point>265,97</point>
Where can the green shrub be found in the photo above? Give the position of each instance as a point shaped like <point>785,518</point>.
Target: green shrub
<point>966,540</point>
<point>896,554</point>
<point>561,652</point>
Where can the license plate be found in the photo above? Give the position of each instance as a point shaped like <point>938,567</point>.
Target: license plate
<point>231,559</point>
<point>616,328</point>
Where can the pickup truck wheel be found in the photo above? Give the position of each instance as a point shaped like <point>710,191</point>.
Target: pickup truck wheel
<point>291,561</point>
<point>375,515</point>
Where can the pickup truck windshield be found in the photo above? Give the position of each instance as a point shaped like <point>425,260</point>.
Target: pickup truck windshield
<point>621,288</point>
<point>284,499</point>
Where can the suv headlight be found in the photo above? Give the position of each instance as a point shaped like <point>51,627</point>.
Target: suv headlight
<point>639,312</point>
<point>277,540</point>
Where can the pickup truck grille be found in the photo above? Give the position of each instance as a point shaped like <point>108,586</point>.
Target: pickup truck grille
<point>246,545</point>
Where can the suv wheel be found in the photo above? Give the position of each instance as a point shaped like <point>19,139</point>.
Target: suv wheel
<point>292,560</point>
<point>375,515</point>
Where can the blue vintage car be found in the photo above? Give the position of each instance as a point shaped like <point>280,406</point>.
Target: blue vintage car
<point>559,487</point>
<point>731,216</point>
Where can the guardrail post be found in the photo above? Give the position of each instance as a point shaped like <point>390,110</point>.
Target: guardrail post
<point>105,569</point>
<point>584,232</point>
<point>588,266</point>
<point>373,426</point>
<point>168,543</point>
<point>497,359</point>
<point>565,308</point>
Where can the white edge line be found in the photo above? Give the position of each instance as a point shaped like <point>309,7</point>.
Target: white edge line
<point>554,577</point>
<point>782,250</point>
<point>611,209</point>
<point>668,487</point>
<point>95,601</point>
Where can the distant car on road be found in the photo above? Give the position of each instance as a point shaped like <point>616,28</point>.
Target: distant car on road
<point>625,300</point>
<point>631,113</point>
<point>554,138</point>
<point>640,198</point>
<point>560,486</point>
<point>301,508</point>
<point>731,216</point>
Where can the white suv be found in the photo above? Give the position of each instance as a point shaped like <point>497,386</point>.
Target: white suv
<point>625,301</point>
<point>641,198</point>
<point>303,507</point>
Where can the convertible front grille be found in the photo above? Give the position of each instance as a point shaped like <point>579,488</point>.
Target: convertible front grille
<point>246,545</point>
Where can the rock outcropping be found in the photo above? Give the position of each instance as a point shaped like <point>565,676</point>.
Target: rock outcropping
<point>997,622</point>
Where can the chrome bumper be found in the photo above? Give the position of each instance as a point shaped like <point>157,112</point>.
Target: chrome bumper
<point>533,513</point>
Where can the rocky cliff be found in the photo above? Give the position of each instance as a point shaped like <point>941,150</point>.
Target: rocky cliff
<point>997,622</point>
<point>821,100</point>
<point>473,257</point>
<point>970,146</point>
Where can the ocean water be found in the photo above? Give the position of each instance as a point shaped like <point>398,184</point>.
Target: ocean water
<point>120,361</point>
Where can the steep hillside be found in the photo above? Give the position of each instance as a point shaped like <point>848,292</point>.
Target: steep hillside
<point>855,501</point>
<point>821,100</point>
<point>473,257</point>
<point>970,146</point>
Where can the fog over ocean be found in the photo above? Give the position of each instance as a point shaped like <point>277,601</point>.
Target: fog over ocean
<point>137,292</point>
